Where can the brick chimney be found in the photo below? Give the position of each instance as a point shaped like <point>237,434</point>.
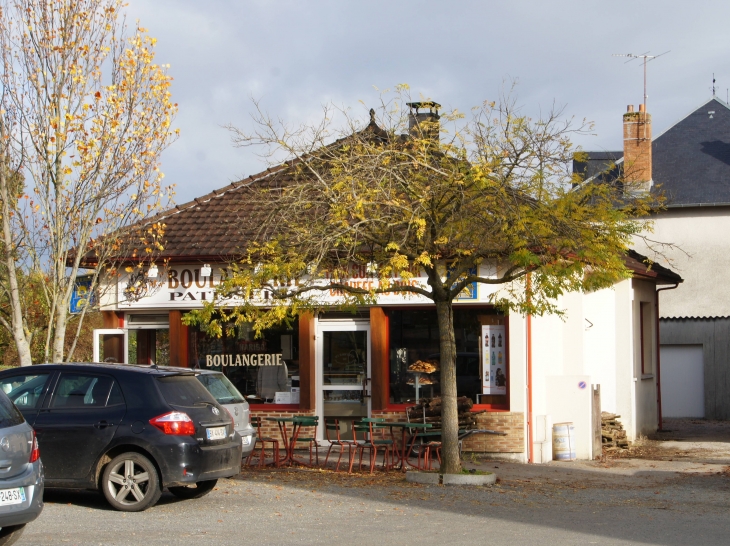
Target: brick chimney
<point>637,149</point>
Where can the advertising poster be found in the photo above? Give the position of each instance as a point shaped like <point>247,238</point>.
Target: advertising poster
<point>494,360</point>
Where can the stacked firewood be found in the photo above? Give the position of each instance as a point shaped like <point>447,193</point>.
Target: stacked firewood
<point>613,435</point>
<point>429,410</point>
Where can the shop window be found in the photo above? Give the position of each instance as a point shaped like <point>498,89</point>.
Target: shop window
<point>265,370</point>
<point>415,356</point>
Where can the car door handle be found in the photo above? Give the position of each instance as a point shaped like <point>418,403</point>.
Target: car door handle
<point>103,424</point>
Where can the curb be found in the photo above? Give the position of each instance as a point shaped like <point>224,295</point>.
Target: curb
<point>433,478</point>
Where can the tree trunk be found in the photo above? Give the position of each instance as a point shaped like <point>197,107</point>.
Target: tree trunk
<point>59,337</point>
<point>16,311</point>
<point>450,462</point>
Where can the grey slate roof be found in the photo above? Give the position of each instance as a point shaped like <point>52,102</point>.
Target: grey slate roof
<point>690,160</point>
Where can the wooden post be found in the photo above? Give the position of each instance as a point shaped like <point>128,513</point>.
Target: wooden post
<point>596,408</point>
<point>178,340</point>
<point>379,358</point>
<point>307,362</point>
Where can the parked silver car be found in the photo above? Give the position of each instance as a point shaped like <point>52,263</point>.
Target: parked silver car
<point>228,396</point>
<point>21,472</point>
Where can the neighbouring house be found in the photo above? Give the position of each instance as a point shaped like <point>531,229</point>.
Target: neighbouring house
<point>690,163</point>
<point>524,374</point>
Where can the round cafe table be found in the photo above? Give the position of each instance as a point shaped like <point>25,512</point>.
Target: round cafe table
<point>297,422</point>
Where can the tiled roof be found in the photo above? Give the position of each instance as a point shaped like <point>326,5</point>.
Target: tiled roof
<point>211,227</point>
<point>644,268</point>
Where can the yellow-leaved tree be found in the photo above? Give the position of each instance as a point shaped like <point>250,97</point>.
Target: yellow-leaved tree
<point>85,113</point>
<point>488,198</point>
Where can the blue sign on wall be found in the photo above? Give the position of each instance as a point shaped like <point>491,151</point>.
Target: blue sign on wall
<point>81,295</point>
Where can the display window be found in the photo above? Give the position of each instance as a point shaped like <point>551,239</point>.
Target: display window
<point>265,370</point>
<point>415,359</point>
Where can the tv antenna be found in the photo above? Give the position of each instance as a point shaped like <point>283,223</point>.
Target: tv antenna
<point>646,57</point>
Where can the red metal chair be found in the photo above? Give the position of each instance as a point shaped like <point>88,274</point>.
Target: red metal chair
<point>332,427</point>
<point>260,439</point>
<point>367,427</point>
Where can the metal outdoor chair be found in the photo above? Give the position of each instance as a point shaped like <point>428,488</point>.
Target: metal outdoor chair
<point>332,433</point>
<point>308,421</point>
<point>260,439</point>
<point>368,427</point>
<point>425,449</point>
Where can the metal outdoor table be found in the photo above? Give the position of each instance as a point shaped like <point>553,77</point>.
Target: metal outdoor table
<point>405,446</point>
<point>297,422</point>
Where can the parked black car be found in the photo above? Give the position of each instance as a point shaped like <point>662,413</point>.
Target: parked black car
<point>126,430</point>
<point>21,473</point>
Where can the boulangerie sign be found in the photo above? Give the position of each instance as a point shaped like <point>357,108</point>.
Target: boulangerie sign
<point>494,360</point>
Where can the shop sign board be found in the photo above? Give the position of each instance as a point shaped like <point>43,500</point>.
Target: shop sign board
<point>260,359</point>
<point>183,287</point>
<point>494,360</point>
<point>82,294</point>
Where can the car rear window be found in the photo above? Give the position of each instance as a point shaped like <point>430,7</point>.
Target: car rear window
<point>183,390</point>
<point>221,388</point>
<point>9,414</point>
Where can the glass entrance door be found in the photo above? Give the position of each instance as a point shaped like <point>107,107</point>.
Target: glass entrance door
<point>343,373</point>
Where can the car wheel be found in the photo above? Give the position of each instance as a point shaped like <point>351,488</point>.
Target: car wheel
<point>130,483</point>
<point>10,534</point>
<point>200,489</point>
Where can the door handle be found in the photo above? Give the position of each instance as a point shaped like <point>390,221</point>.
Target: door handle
<point>102,424</point>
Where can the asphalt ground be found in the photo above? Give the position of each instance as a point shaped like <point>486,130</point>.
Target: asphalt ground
<point>674,495</point>
<point>552,504</point>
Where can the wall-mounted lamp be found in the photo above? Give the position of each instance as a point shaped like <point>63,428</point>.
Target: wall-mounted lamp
<point>371,268</point>
<point>206,270</point>
<point>152,272</point>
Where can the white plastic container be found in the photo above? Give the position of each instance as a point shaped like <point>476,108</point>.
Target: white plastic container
<point>564,442</point>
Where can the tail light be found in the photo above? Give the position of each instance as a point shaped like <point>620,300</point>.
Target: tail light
<point>175,423</point>
<point>35,453</point>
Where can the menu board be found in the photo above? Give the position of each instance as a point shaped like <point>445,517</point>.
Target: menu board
<point>494,360</point>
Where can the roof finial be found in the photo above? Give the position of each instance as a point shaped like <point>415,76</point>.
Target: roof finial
<point>713,84</point>
<point>372,116</point>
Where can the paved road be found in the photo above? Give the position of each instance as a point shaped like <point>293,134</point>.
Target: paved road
<point>589,503</point>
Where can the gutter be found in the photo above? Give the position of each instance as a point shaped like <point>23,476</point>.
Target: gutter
<point>658,358</point>
<point>530,421</point>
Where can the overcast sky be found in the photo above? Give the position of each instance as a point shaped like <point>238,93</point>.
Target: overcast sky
<point>296,55</point>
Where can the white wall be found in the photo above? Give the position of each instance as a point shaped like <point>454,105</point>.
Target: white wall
<point>597,342</point>
<point>703,257</point>
<point>646,415</point>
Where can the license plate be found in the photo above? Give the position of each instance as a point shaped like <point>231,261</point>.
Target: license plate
<point>12,496</point>
<point>216,433</point>
<point>245,440</point>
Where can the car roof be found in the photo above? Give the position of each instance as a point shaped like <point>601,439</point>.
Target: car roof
<point>197,371</point>
<point>108,367</point>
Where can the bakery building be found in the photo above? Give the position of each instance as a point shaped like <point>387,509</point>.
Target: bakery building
<point>523,373</point>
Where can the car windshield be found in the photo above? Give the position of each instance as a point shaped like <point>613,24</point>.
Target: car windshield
<point>183,390</point>
<point>221,388</point>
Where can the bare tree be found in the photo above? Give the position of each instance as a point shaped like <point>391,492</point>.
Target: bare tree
<point>86,114</point>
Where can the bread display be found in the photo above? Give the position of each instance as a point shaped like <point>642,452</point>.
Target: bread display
<point>424,366</point>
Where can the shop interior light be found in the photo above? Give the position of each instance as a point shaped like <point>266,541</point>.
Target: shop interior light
<point>152,272</point>
<point>206,271</point>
